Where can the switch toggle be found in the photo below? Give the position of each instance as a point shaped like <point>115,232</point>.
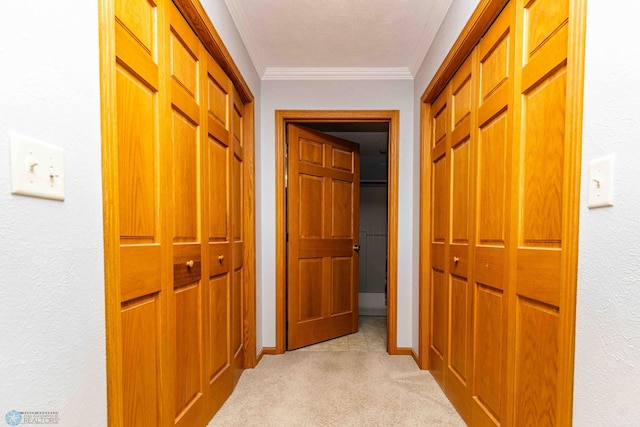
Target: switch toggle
<point>37,168</point>
<point>601,182</point>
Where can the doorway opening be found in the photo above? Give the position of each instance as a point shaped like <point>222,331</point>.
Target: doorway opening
<point>377,134</point>
<point>373,139</point>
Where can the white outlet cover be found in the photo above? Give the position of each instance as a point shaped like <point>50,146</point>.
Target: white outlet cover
<point>601,182</point>
<point>37,168</point>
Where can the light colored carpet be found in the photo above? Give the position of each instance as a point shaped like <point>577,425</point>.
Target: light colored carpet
<point>371,336</point>
<point>337,388</point>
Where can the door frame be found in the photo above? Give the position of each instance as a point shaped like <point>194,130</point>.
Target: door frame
<point>392,117</point>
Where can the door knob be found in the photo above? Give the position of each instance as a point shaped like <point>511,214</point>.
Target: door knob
<point>190,263</point>
<point>356,248</point>
<point>456,259</point>
<point>221,258</point>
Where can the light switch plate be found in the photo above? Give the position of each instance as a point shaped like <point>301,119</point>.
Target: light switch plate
<point>601,182</point>
<point>37,168</point>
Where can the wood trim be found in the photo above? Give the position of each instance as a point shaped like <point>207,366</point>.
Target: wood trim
<point>199,21</point>
<point>346,116</point>
<point>512,232</point>
<point>281,227</point>
<point>269,350</point>
<point>479,22</point>
<point>424,298</point>
<point>249,247</point>
<point>259,356</point>
<point>405,351</point>
<point>111,218</point>
<point>416,358</point>
<point>392,233</point>
<point>573,161</point>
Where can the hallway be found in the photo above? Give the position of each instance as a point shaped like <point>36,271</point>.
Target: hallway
<point>348,381</point>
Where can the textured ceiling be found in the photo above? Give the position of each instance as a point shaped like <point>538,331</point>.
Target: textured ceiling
<point>376,38</point>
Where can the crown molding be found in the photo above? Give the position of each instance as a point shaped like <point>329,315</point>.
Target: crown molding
<point>428,36</point>
<point>337,73</point>
<point>246,34</point>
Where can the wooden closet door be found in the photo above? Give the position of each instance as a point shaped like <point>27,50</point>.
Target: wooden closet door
<point>237,221</point>
<point>494,71</point>
<point>185,328</point>
<point>139,189</point>
<point>461,157</point>
<point>440,135</point>
<point>540,218</point>
<point>219,375</point>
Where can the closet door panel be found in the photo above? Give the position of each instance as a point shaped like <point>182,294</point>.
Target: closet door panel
<point>140,193</point>
<point>541,163</point>
<point>489,382</point>
<point>219,375</point>
<point>495,53</point>
<point>460,155</point>
<point>142,394</point>
<point>237,228</point>
<point>439,235</point>
<point>185,133</point>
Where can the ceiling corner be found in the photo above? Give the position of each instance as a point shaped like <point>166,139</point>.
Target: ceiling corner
<point>247,36</point>
<point>428,36</point>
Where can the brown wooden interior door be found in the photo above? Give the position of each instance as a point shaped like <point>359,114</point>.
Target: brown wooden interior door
<point>439,347</point>
<point>461,155</point>
<point>184,147</point>
<point>542,227</point>
<point>494,71</point>
<point>219,374</point>
<point>322,223</point>
<point>140,188</point>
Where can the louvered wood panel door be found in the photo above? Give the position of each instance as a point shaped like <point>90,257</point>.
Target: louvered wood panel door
<point>144,249</point>
<point>461,214</point>
<point>185,328</point>
<point>219,374</point>
<point>541,160</point>
<point>322,223</point>
<point>494,74</point>
<point>440,137</point>
<point>237,196</point>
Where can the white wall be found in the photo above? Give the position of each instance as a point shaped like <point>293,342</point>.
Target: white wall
<point>337,95</point>
<point>452,25</point>
<point>226,28</point>
<point>51,253</point>
<point>607,362</point>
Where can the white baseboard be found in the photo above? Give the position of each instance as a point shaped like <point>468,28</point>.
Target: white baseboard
<point>371,304</point>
